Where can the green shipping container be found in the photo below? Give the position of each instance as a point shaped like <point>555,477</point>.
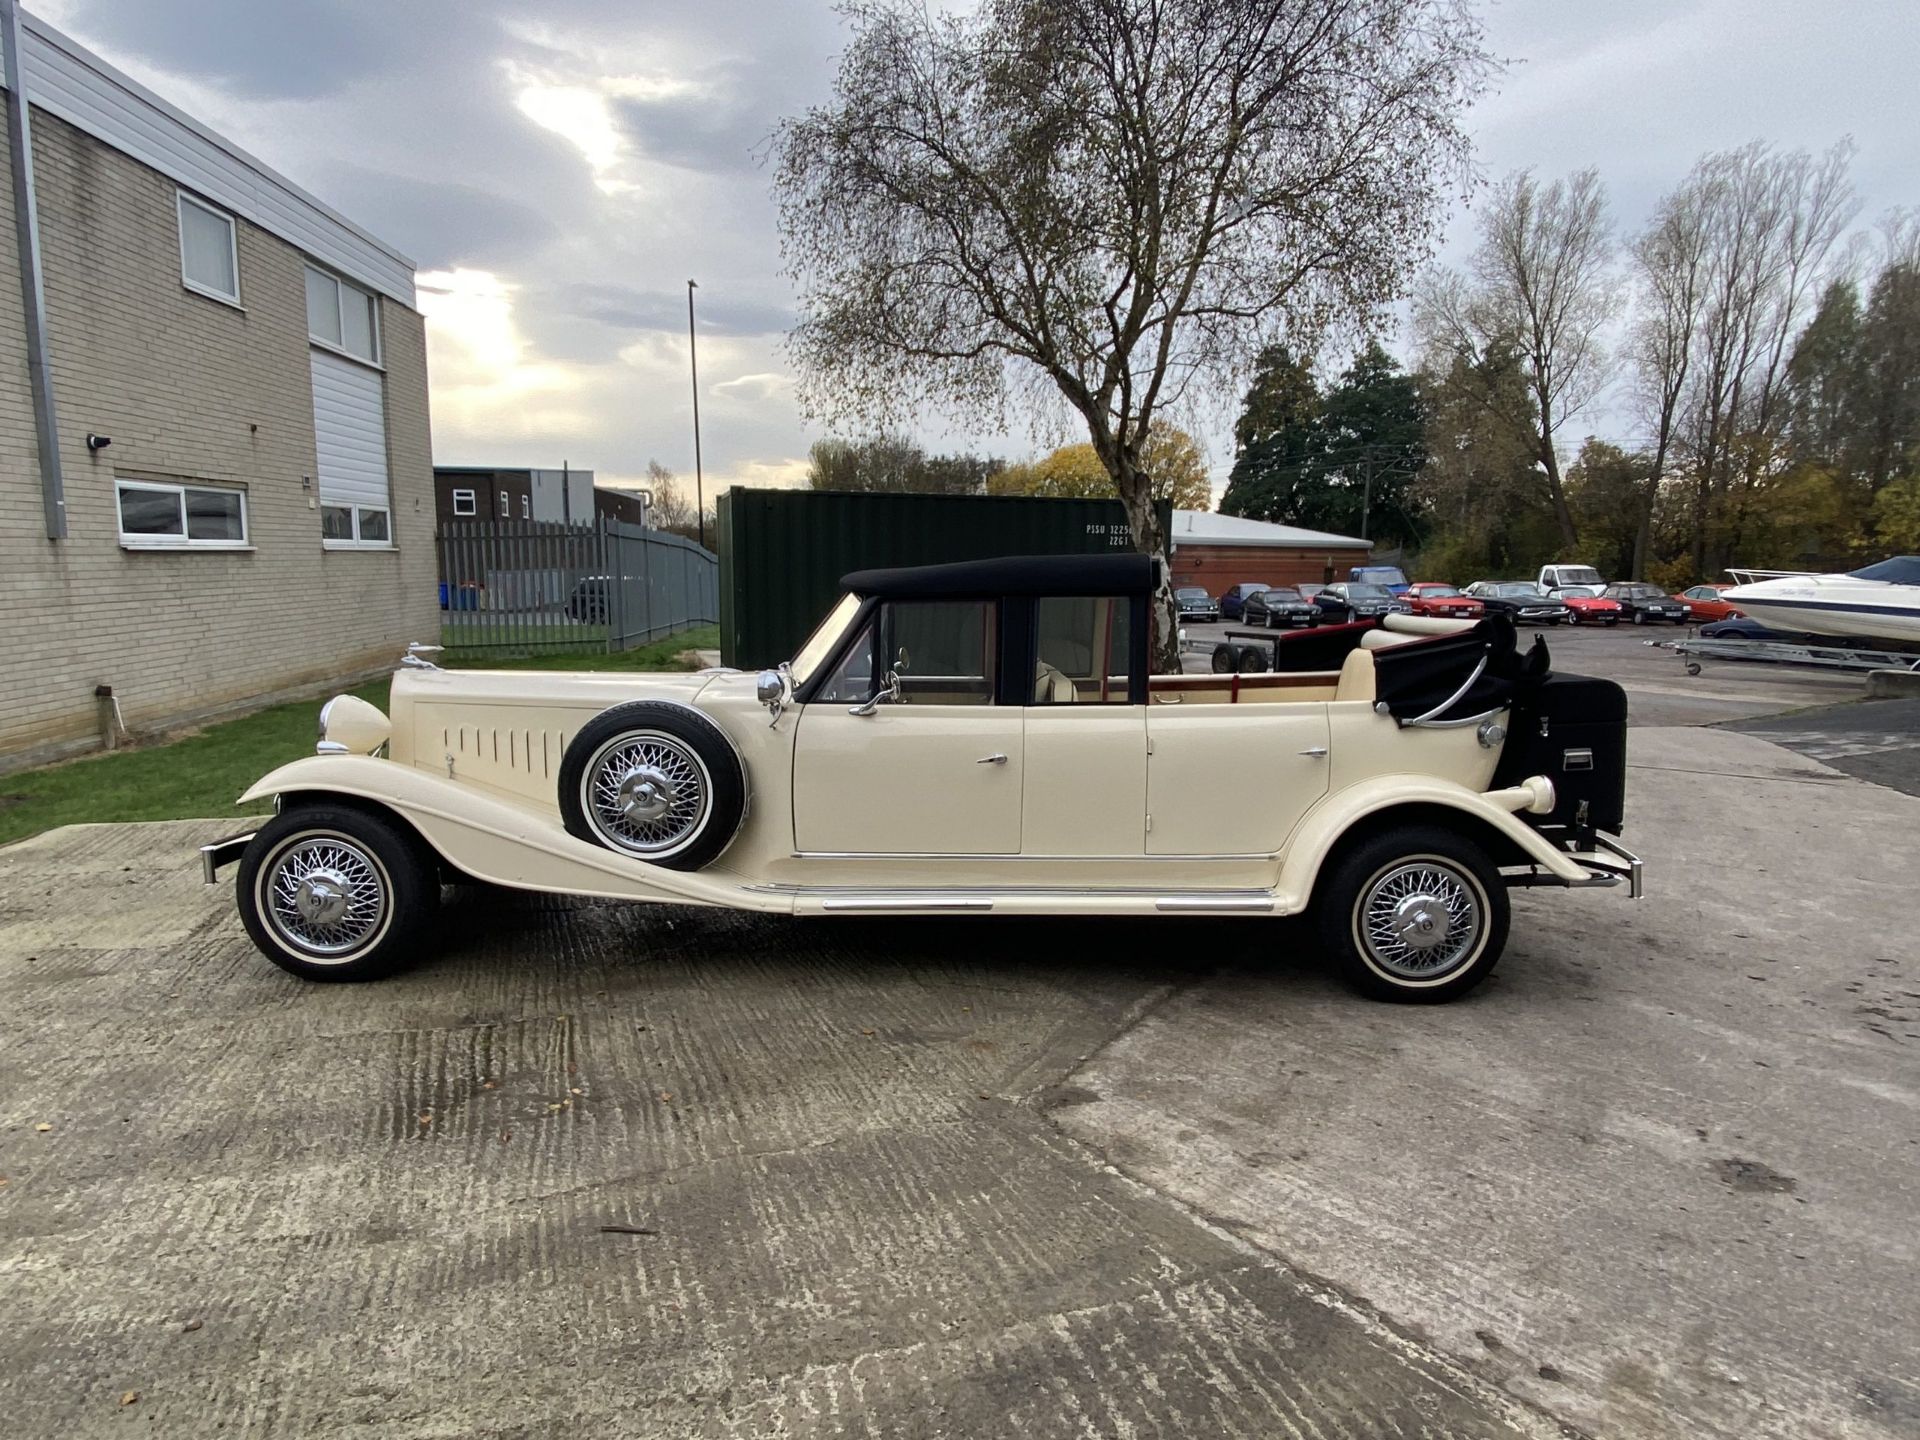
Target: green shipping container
<point>782,552</point>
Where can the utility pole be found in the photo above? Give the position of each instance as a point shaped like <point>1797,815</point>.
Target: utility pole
<point>693,365</point>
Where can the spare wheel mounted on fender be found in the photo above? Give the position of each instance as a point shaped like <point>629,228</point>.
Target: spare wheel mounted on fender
<point>654,780</point>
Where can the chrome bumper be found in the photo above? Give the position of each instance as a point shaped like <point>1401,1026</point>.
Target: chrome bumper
<point>221,853</point>
<point>1617,864</point>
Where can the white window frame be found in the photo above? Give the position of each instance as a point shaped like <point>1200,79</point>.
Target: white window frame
<point>467,498</point>
<point>340,287</point>
<point>356,542</point>
<point>130,540</point>
<point>526,507</point>
<point>183,200</point>
<point>506,507</point>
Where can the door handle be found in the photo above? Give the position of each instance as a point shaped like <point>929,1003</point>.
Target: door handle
<point>991,760</point>
<point>1315,750</point>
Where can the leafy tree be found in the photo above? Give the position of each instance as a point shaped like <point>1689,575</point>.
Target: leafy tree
<point>1604,491</point>
<point>671,508</point>
<point>1110,204</point>
<point>1896,515</point>
<point>1343,462</point>
<point>1492,515</point>
<point>1171,458</point>
<point>894,465</point>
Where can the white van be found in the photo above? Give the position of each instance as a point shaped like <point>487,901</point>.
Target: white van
<point>1561,577</point>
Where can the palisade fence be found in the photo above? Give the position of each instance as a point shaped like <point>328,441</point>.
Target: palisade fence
<point>531,585</point>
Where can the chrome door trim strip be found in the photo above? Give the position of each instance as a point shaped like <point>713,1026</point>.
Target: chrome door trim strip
<point>902,902</point>
<point>1247,905</point>
<point>997,856</point>
<point>1241,898</point>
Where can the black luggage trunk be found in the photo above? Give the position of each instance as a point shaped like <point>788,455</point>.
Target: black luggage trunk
<point>1573,730</point>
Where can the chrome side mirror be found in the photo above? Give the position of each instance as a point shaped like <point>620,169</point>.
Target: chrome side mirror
<point>887,694</point>
<point>773,688</point>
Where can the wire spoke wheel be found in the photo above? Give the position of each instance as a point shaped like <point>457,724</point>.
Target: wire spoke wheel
<point>326,896</point>
<point>647,793</point>
<point>1420,919</point>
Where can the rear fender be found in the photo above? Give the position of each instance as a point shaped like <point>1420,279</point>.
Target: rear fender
<point>1334,817</point>
<point>502,843</point>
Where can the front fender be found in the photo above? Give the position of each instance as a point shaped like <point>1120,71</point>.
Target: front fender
<point>1334,816</point>
<point>503,843</point>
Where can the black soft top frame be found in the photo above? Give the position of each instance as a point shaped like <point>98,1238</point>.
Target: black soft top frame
<point>1031,575</point>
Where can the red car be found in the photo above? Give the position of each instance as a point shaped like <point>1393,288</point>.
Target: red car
<point>1703,602</point>
<point>1430,597</point>
<point>1587,606</point>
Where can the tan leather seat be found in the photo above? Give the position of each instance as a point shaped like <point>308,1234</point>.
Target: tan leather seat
<point>1050,687</point>
<point>1356,677</point>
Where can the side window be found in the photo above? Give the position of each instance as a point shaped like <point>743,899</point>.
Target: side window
<point>1083,649</point>
<point>852,680</point>
<point>942,650</point>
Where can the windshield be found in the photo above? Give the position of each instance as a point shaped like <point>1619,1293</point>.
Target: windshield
<point>1192,593</point>
<point>820,644</point>
<point>1900,570</point>
<point>1579,592</point>
<point>1522,590</point>
<point>1578,575</point>
<point>1381,574</point>
<point>1436,592</point>
<point>1282,594</point>
<point>1368,592</point>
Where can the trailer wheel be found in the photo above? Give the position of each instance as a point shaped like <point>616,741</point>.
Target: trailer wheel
<point>1253,661</point>
<point>1693,667</point>
<point>655,781</point>
<point>1226,658</point>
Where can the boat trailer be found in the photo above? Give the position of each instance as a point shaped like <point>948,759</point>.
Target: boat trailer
<point>1695,648</point>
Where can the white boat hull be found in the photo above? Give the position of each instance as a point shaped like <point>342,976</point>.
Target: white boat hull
<point>1844,605</point>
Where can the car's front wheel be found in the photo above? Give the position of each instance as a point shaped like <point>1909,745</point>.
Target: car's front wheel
<point>1639,617</point>
<point>333,893</point>
<point>1417,915</point>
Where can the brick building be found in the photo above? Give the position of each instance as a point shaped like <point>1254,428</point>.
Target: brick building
<point>237,499</point>
<point>1217,552</point>
<point>565,496</point>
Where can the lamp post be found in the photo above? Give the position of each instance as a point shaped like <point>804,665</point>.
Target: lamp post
<point>693,366</point>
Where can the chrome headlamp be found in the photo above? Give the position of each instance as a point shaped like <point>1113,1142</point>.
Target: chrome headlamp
<point>350,726</point>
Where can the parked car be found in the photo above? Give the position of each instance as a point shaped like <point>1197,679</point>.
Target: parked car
<point>1431,597</point>
<point>1346,601</point>
<point>1279,607</point>
<point>1556,578</point>
<point>1644,604</point>
<point>942,729</point>
<point>1391,576</point>
<point>1235,599</point>
<point>1703,602</point>
<point>1520,601</point>
<point>1196,605</point>
<point>588,602</point>
<point>1586,605</point>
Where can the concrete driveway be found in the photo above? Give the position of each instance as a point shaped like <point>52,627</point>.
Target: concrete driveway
<point>615,1170</point>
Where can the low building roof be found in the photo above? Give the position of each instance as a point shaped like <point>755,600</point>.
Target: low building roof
<point>1207,527</point>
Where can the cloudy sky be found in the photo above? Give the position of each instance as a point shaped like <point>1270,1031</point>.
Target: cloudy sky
<point>558,172</point>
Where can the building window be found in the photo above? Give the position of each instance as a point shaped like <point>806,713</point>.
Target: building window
<point>464,503</point>
<point>342,316</point>
<point>209,250</point>
<point>506,506</point>
<point>154,514</point>
<point>355,525</point>
<point>526,507</point>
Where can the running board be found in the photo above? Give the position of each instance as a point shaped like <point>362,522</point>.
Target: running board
<point>1064,901</point>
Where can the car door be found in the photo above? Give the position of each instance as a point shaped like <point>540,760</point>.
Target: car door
<point>934,769</point>
<point>1086,730</point>
<point>1232,779</point>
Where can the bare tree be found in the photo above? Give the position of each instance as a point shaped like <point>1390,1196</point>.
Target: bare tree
<point>1669,261</point>
<point>1112,204</point>
<point>1540,285</point>
<point>1774,221</point>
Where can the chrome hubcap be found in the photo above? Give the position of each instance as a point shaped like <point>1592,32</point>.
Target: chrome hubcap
<point>647,793</point>
<point>1420,919</point>
<point>326,896</point>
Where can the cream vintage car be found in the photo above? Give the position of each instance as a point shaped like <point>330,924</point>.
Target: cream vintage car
<point>975,738</point>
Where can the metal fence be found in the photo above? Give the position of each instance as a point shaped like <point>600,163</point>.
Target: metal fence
<point>528,585</point>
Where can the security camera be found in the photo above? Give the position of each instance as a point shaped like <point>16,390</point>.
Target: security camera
<point>98,442</point>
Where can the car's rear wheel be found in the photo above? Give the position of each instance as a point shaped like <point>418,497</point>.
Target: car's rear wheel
<point>1417,915</point>
<point>333,893</point>
<point>1639,617</point>
<point>656,781</point>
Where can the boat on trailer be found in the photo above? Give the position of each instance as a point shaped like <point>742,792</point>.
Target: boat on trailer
<point>1878,602</point>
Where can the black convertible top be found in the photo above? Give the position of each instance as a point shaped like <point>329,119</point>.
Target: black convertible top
<point>1127,574</point>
